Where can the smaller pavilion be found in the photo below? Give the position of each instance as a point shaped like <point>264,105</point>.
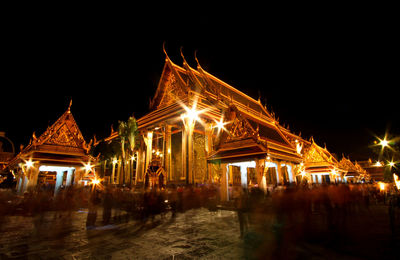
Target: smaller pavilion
<point>57,158</point>
<point>320,166</point>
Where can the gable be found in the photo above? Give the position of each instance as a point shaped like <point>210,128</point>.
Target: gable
<point>170,88</point>
<point>62,137</point>
<point>64,132</point>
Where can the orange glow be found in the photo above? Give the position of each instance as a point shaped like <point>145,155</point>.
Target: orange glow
<point>381,186</point>
<point>396,181</point>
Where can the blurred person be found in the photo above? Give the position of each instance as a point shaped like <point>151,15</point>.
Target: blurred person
<point>241,205</point>
<point>107,205</point>
<point>94,201</point>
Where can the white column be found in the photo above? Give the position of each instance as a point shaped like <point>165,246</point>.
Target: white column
<point>290,173</point>
<point>59,179</point>
<point>25,184</point>
<point>243,175</point>
<point>69,176</point>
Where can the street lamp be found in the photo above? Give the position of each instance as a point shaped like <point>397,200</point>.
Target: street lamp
<point>384,143</point>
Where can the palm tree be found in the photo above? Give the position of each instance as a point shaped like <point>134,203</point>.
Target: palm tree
<point>129,135</point>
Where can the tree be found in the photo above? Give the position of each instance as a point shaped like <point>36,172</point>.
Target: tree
<point>129,139</point>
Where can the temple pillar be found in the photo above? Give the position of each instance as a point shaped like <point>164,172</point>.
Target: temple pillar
<point>118,171</point>
<point>208,141</point>
<point>19,183</point>
<point>279,176</point>
<point>24,183</point>
<point>167,152</point>
<point>224,183</point>
<point>112,181</point>
<point>59,180</point>
<point>260,166</point>
<point>69,177</point>
<point>190,154</point>
<point>33,177</point>
<point>149,149</point>
<point>184,153</point>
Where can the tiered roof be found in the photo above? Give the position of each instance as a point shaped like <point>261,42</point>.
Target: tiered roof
<point>319,160</point>
<point>181,85</point>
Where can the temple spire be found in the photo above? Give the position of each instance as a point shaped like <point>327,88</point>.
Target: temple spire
<point>165,52</point>
<point>69,107</point>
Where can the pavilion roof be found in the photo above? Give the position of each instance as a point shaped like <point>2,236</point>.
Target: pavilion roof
<point>176,82</point>
<point>62,138</point>
<point>316,157</point>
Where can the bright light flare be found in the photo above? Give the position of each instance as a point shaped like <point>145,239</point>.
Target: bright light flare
<point>88,167</point>
<point>381,186</point>
<point>95,181</point>
<point>392,164</point>
<point>384,143</point>
<point>378,164</point>
<point>29,163</point>
<point>192,114</point>
<point>220,125</point>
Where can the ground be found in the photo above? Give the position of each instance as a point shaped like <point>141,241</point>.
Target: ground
<point>194,234</point>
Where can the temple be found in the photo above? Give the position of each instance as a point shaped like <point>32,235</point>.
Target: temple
<point>202,130</point>
<point>58,158</point>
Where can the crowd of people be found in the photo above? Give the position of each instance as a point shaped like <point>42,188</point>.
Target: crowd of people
<point>272,222</point>
<point>286,214</point>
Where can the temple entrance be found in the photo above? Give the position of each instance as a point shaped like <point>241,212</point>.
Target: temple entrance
<point>155,177</point>
<point>239,176</point>
<point>55,177</point>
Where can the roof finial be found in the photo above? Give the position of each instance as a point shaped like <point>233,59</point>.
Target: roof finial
<point>165,52</point>
<point>69,107</point>
<point>183,57</point>
<point>195,57</point>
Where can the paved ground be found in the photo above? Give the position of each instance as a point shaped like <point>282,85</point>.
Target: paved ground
<point>194,234</point>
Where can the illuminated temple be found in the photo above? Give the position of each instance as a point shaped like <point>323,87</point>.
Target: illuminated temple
<point>199,130</point>
<point>56,159</point>
<point>202,130</point>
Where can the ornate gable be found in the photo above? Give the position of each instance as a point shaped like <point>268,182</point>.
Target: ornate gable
<point>238,128</point>
<point>347,165</point>
<point>64,132</point>
<point>62,137</point>
<point>172,92</point>
<point>171,87</point>
<point>316,154</point>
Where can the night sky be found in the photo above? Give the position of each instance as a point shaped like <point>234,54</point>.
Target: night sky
<point>331,75</point>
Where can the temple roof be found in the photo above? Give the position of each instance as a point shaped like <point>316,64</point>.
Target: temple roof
<point>63,138</point>
<point>316,156</point>
<point>245,136</point>
<point>176,82</point>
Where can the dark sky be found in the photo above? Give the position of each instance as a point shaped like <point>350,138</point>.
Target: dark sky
<point>331,75</point>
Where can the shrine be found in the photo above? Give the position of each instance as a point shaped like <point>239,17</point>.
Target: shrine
<point>58,158</point>
<point>320,166</point>
<point>202,130</point>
